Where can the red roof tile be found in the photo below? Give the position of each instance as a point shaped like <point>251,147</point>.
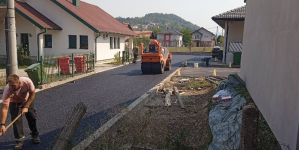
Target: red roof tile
<point>144,33</point>
<point>95,17</point>
<point>34,16</point>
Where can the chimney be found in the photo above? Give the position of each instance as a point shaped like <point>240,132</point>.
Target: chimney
<point>76,3</point>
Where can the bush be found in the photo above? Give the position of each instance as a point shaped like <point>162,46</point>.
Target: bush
<point>23,56</point>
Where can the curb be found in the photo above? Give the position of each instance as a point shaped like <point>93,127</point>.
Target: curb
<point>138,103</point>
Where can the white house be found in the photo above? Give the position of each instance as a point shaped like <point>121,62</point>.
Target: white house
<point>269,65</point>
<point>202,38</point>
<point>233,23</point>
<point>57,27</point>
<point>170,38</point>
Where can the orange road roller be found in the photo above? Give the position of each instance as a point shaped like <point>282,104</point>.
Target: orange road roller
<point>155,58</point>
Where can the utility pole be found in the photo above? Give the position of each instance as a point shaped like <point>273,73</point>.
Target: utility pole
<point>11,44</point>
<point>216,42</point>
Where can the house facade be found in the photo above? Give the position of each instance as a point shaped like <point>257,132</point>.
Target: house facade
<point>74,31</point>
<point>170,38</point>
<point>202,38</point>
<point>141,34</point>
<point>233,23</point>
<point>269,62</point>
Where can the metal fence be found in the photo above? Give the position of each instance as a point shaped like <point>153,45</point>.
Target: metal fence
<point>56,68</point>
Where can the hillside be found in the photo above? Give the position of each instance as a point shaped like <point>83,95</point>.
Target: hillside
<point>153,20</point>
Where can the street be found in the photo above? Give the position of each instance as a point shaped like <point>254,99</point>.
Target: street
<point>102,93</point>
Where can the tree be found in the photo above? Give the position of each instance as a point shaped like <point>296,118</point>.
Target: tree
<point>186,36</point>
<point>220,39</point>
<point>144,40</point>
<point>157,30</point>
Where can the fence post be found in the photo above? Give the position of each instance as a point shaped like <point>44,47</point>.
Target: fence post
<point>123,57</point>
<point>41,70</point>
<point>84,68</point>
<point>119,57</point>
<point>58,63</point>
<point>72,64</point>
<point>249,129</point>
<point>127,56</point>
<point>93,62</point>
<point>87,60</point>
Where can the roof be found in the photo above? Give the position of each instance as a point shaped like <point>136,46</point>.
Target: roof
<point>144,33</point>
<point>34,16</point>
<point>170,31</point>
<point>235,47</point>
<point>94,17</point>
<point>237,14</point>
<point>203,29</point>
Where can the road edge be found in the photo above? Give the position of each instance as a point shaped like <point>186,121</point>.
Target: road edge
<point>139,102</point>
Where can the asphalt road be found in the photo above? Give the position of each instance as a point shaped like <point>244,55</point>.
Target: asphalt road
<point>102,93</point>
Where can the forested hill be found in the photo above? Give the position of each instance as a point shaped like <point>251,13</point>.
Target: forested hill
<point>153,20</point>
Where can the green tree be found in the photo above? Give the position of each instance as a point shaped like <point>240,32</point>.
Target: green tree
<point>220,39</point>
<point>186,36</point>
<point>144,40</point>
<point>157,30</point>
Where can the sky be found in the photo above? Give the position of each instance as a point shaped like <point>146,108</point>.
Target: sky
<point>198,12</point>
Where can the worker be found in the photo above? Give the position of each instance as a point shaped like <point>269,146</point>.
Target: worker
<point>135,52</point>
<point>18,96</point>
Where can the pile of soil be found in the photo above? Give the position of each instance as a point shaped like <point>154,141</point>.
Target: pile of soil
<point>156,126</point>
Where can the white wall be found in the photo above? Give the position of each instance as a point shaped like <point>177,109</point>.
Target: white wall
<point>160,36</point>
<point>206,36</point>
<point>235,34</point>
<point>104,51</point>
<point>70,26</point>
<point>22,26</point>
<point>270,64</point>
<point>196,36</point>
<point>236,30</point>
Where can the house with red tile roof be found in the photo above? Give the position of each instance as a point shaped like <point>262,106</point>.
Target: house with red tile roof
<point>55,27</point>
<point>141,34</point>
<point>170,38</point>
<point>202,38</point>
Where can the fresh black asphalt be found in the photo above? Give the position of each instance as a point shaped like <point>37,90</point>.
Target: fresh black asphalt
<point>102,93</point>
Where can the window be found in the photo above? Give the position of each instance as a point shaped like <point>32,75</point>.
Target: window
<point>167,37</point>
<point>118,43</point>
<point>115,43</point>
<point>48,41</point>
<point>72,41</point>
<point>83,42</point>
<point>111,42</point>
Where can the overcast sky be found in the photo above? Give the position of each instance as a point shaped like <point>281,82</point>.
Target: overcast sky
<point>198,12</point>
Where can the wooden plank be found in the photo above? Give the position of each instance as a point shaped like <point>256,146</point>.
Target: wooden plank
<point>167,98</point>
<point>65,139</point>
<point>179,97</point>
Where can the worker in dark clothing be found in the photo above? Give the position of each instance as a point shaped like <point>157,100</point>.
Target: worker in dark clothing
<point>135,52</point>
<point>18,97</point>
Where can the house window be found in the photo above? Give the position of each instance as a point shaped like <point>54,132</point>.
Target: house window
<point>72,41</point>
<point>83,42</point>
<point>111,42</point>
<point>118,43</point>
<point>167,37</point>
<point>48,41</point>
<point>115,43</point>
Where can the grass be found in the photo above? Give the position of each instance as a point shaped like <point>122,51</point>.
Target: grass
<point>198,84</point>
<point>266,138</point>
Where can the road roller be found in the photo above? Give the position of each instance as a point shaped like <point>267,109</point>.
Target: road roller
<point>155,58</point>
